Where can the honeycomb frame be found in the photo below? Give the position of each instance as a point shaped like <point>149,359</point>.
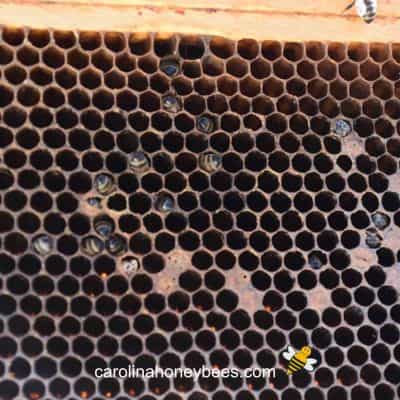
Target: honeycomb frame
<point>291,238</point>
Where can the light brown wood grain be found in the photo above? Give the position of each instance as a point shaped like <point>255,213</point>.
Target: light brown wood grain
<point>264,19</point>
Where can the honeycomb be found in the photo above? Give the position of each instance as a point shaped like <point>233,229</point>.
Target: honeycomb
<point>182,201</point>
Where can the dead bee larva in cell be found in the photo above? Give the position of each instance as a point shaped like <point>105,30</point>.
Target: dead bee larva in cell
<point>139,162</point>
<point>373,238</point>
<point>316,260</point>
<point>130,265</point>
<point>104,184</point>
<point>205,124</point>
<point>342,127</point>
<point>210,162</point>
<point>164,203</point>
<point>116,245</point>
<point>42,245</point>
<point>104,225</point>
<point>94,202</point>
<point>171,103</point>
<point>92,245</point>
<point>170,66</point>
<point>380,220</point>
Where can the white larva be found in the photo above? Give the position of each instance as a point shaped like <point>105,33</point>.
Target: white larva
<point>366,9</point>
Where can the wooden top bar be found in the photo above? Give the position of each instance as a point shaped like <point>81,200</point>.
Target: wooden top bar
<point>291,20</point>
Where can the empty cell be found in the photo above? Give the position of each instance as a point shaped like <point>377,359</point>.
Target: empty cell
<point>348,70</point>
<point>369,70</point>
<point>283,69</point>
<point>236,67</point>
<point>391,70</point>
<point>327,70</point>
<point>260,68</point>
<point>359,89</point>
<point>191,47</point>
<point>357,51</point>
<point>337,51</point>
<point>212,66</point>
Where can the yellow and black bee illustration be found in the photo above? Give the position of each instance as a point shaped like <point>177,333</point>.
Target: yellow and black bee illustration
<point>299,360</point>
<point>366,9</point>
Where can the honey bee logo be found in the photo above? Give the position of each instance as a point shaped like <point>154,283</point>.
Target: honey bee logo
<point>299,360</point>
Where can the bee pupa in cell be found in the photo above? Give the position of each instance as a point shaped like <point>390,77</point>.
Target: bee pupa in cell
<point>316,259</point>
<point>164,202</point>
<point>171,103</point>
<point>206,124</point>
<point>170,66</point>
<point>116,245</point>
<point>373,239</point>
<point>94,202</point>
<point>92,245</point>
<point>342,127</point>
<point>130,265</point>
<point>139,162</point>
<point>42,245</point>
<point>210,161</point>
<point>104,184</point>
<point>380,220</point>
<point>104,225</point>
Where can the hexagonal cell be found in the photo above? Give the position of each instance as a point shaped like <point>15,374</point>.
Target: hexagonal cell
<point>114,79</point>
<point>90,40</point>
<point>227,85</point>
<point>237,67</point>
<point>248,48</point>
<point>77,59</point>
<point>221,47</point>
<point>369,70</point>
<point>315,50</point>
<point>327,70</point>
<point>53,57</point>
<point>125,62</point>
<point>379,52</point>
<point>212,66</point>
<point>348,70</point>
<point>102,59</point>
<point>115,41</point>
<point>357,51</point>
<point>191,47</point>
<point>391,70</point>
<point>39,37</point>
<point>90,78</point>
<point>27,55</point>
<point>271,50</point>
<point>6,55</point>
